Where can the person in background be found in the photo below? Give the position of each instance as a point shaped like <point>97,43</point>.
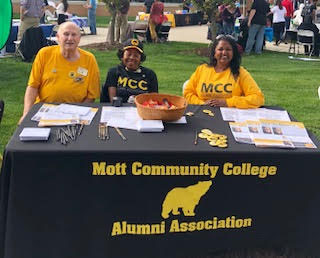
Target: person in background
<point>219,19</point>
<point>289,7</point>
<point>229,15</point>
<point>148,4</point>
<point>312,9</point>
<point>156,18</point>
<point>223,82</point>
<point>297,18</point>
<point>62,7</point>
<point>186,5</point>
<point>279,13</point>
<point>307,24</point>
<point>122,21</point>
<point>270,14</point>
<point>243,35</point>
<point>46,6</point>
<point>63,73</point>
<point>30,13</point>
<point>61,11</point>
<point>129,78</point>
<point>91,5</point>
<point>257,23</point>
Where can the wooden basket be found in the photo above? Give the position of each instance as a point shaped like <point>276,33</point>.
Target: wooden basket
<point>148,113</point>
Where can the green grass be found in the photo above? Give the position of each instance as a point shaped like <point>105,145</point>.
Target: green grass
<point>286,83</point>
<point>103,21</point>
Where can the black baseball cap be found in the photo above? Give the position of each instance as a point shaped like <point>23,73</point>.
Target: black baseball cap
<point>133,43</point>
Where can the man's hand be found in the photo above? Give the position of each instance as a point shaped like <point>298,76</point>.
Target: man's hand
<point>29,98</point>
<point>21,118</point>
<point>251,14</point>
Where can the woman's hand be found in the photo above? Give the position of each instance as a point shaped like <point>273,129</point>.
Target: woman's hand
<point>216,103</point>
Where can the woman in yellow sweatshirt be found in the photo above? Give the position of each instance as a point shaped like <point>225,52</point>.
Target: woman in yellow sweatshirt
<point>223,82</point>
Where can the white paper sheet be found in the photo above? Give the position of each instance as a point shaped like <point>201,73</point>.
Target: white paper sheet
<point>128,118</point>
<point>73,109</point>
<point>240,115</point>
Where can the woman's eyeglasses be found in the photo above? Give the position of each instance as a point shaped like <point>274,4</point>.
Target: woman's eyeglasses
<point>222,36</point>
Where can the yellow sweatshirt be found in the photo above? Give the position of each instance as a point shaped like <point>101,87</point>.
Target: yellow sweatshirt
<point>205,84</point>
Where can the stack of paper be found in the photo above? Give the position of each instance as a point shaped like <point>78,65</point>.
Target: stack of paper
<point>150,126</point>
<point>34,134</point>
<point>128,118</point>
<point>64,114</point>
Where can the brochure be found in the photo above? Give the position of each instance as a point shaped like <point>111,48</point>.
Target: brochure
<point>272,133</point>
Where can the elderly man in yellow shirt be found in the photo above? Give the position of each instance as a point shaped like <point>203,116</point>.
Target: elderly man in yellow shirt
<point>63,73</point>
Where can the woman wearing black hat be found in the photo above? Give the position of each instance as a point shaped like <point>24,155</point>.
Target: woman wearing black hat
<point>129,78</point>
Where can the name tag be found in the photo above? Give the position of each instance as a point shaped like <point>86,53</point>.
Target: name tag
<point>82,71</point>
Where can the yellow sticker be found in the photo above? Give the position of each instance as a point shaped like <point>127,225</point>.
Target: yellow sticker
<point>72,74</point>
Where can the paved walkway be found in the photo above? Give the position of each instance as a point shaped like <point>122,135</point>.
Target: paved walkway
<point>196,33</point>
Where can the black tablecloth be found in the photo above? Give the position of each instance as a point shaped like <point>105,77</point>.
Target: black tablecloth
<point>187,19</point>
<point>97,199</point>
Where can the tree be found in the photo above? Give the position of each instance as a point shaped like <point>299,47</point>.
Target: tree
<point>113,6</point>
<point>210,8</point>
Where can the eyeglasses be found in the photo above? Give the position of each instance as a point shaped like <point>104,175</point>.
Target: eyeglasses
<point>222,36</point>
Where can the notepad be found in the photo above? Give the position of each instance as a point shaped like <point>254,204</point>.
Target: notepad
<point>34,134</point>
<point>150,126</point>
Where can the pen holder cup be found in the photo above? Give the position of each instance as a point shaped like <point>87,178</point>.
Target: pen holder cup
<point>149,113</point>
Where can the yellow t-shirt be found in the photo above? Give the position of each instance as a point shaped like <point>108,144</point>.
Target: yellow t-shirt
<point>59,80</point>
<point>205,84</point>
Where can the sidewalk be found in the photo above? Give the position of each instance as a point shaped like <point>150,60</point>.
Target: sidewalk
<point>196,33</point>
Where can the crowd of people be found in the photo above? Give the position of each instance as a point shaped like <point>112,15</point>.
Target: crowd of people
<point>281,15</point>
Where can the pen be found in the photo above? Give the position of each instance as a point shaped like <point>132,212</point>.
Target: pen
<point>107,132</point>
<point>120,133</point>
<point>81,128</point>
<point>196,138</point>
<point>99,133</point>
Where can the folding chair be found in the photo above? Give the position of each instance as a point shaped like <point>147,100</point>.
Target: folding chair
<point>292,37</point>
<point>140,28</point>
<point>184,85</point>
<point>306,38</point>
<point>32,41</point>
<point>52,39</point>
<point>163,32</point>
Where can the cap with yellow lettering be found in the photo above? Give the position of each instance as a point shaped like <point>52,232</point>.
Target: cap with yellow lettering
<point>133,43</point>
